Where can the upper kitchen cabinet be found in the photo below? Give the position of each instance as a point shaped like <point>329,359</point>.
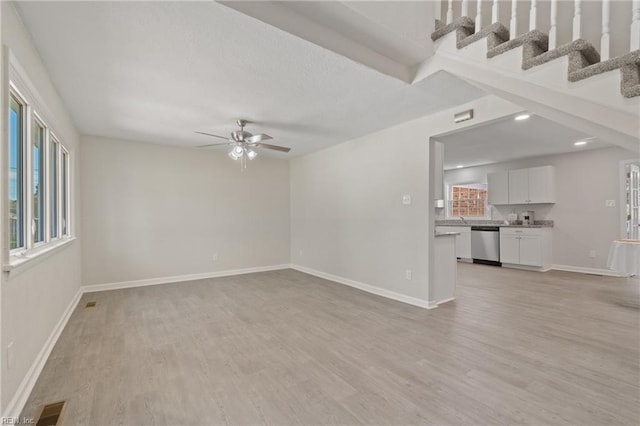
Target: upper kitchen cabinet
<point>542,185</point>
<point>532,186</point>
<point>535,185</point>
<point>498,188</point>
<point>519,186</point>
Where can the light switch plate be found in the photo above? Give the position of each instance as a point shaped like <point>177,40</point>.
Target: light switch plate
<point>610,203</point>
<point>406,199</point>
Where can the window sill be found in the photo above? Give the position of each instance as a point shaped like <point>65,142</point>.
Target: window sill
<point>34,256</point>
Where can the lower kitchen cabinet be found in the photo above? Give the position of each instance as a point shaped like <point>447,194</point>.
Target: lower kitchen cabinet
<point>463,240</point>
<point>529,247</point>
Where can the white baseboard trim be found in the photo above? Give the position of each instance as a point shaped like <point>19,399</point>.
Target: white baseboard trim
<point>180,278</point>
<point>584,270</point>
<point>451,299</point>
<point>365,287</point>
<point>527,268</point>
<point>16,405</point>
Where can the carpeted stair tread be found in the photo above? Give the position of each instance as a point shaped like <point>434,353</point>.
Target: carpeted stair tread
<point>584,59</point>
<point>630,80</point>
<point>536,39</point>
<point>581,54</point>
<point>465,23</point>
<point>630,58</point>
<point>500,32</point>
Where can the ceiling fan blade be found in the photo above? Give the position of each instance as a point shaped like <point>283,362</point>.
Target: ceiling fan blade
<point>258,138</point>
<point>214,144</point>
<point>215,136</point>
<point>274,147</point>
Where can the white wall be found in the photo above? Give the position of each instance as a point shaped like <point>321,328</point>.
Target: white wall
<point>584,180</point>
<point>35,297</point>
<point>347,216</point>
<point>153,211</point>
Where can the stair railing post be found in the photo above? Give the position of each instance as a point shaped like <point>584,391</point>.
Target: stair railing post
<point>553,29</point>
<point>635,25</point>
<point>605,39</point>
<point>513,27</point>
<point>479,16</point>
<point>450,12</point>
<point>494,12</point>
<point>465,8</point>
<point>577,19</point>
<point>533,15</point>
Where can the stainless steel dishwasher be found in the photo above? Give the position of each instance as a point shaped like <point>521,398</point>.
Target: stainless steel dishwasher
<point>485,245</point>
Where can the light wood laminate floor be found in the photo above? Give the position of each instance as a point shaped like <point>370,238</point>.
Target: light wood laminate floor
<point>283,348</point>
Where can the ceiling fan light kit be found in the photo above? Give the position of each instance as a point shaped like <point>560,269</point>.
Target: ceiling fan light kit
<point>242,144</point>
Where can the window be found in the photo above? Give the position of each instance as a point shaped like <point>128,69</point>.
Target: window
<point>38,181</point>
<point>38,174</point>
<point>468,200</point>
<point>16,174</point>
<point>54,160</point>
<point>65,193</point>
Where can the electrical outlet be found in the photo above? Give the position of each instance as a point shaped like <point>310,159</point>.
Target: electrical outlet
<point>300,253</point>
<point>9,355</point>
<point>408,274</point>
<point>214,257</point>
<point>592,254</point>
<point>610,203</point>
<point>406,199</point>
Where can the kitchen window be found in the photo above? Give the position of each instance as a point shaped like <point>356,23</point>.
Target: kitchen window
<point>468,200</point>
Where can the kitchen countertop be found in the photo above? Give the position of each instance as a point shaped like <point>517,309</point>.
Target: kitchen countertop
<point>500,223</point>
<point>447,234</point>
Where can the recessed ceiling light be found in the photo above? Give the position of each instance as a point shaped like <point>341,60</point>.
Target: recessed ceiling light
<point>522,117</point>
<point>459,166</point>
<point>580,143</point>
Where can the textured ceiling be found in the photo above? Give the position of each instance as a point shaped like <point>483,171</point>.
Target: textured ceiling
<point>509,139</point>
<point>157,71</point>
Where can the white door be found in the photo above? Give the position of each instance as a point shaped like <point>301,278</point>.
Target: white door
<point>498,188</point>
<point>519,186</point>
<point>541,185</point>
<point>510,249</point>
<point>530,250</point>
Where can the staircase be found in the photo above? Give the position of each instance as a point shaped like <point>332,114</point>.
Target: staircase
<point>551,69</point>
<point>584,58</point>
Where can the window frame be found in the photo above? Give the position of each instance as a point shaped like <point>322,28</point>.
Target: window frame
<point>23,198</point>
<point>65,193</point>
<point>52,144</point>
<point>34,111</point>
<point>36,120</point>
<point>449,202</point>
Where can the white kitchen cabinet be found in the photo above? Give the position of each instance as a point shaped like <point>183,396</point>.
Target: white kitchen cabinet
<point>531,250</point>
<point>525,246</point>
<point>542,185</point>
<point>509,249</point>
<point>463,239</point>
<point>519,186</point>
<point>535,185</point>
<point>498,188</point>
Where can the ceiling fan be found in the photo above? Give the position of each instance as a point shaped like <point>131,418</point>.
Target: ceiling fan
<point>243,142</point>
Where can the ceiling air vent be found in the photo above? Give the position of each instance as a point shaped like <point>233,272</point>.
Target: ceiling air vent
<point>463,116</point>
<point>91,304</point>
